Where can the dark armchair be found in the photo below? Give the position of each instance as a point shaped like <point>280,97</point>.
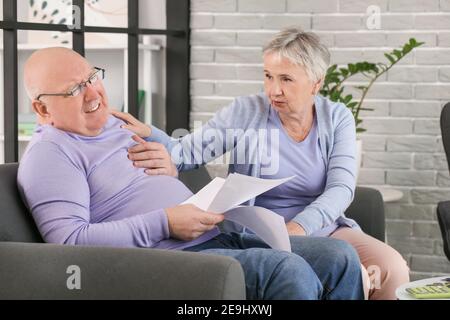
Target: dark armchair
<point>443,208</point>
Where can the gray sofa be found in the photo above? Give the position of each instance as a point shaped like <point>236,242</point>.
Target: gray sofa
<point>31,269</point>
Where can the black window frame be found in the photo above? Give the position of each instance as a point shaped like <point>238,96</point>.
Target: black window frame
<point>177,34</point>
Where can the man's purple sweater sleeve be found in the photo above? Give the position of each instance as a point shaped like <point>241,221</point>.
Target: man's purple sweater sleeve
<point>58,196</point>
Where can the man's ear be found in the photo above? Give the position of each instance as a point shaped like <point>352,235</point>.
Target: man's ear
<point>40,108</point>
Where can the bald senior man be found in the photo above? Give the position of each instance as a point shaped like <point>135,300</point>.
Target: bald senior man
<point>83,190</point>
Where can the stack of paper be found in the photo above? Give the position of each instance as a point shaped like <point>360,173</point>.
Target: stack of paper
<point>225,196</point>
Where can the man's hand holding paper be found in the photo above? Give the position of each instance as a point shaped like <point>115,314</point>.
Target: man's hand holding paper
<point>225,195</point>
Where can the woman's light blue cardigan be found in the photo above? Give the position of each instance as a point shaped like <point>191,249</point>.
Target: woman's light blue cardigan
<point>337,139</point>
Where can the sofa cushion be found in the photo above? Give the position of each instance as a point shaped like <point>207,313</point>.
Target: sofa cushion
<point>16,222</point>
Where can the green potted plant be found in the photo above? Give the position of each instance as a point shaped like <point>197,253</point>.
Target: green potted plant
<point>334,88</point>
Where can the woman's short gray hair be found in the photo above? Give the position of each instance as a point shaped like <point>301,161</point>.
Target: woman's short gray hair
<point>301,48</point>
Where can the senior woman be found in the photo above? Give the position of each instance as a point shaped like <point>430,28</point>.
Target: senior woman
<point>316,144</point>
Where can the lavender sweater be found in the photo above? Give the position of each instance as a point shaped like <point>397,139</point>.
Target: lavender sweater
<point>84,190</point>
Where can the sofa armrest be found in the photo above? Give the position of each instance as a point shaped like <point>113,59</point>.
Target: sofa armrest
<point>39,271</point>
<point>367,209</point>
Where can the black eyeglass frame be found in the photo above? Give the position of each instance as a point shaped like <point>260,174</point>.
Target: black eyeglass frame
<point>80,85</point>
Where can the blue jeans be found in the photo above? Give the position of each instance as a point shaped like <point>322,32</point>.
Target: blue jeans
<point>317,268</point>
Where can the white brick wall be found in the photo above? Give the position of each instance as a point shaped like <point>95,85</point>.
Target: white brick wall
<point>402,147</point>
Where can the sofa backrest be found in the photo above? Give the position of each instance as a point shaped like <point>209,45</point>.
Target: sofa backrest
<point>16,222</point>
<point>195,179</point>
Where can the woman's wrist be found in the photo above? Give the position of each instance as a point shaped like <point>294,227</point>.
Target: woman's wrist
<point>294,229</point>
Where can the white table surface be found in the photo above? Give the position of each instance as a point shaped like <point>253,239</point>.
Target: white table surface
<point>401,293</point>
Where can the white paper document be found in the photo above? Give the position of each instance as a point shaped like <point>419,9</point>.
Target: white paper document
<point>225,196</point>
<point>266,224</point>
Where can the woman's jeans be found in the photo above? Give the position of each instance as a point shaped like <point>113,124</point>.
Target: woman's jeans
<point>317,268</point>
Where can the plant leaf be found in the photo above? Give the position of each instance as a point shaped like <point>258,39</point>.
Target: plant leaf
<point>397,53</point>
<point>332,68</point>
<point>347,99</point>
<point>344,71</point>
<point>406,49</point>
<point>389,57</point>
<point>352,68</point>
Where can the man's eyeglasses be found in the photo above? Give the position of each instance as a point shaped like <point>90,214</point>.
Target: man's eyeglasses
<point>99,73</point>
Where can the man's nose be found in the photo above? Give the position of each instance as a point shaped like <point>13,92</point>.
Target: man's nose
<point>90,92</point>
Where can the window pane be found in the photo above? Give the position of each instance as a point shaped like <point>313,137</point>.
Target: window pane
<point>49,12</point>
<point>152,14</point>
<point>45,11</point>
<point>39,39</point>
<point>108,51</point>
<point>152,79</point>
<point>106,13</point>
